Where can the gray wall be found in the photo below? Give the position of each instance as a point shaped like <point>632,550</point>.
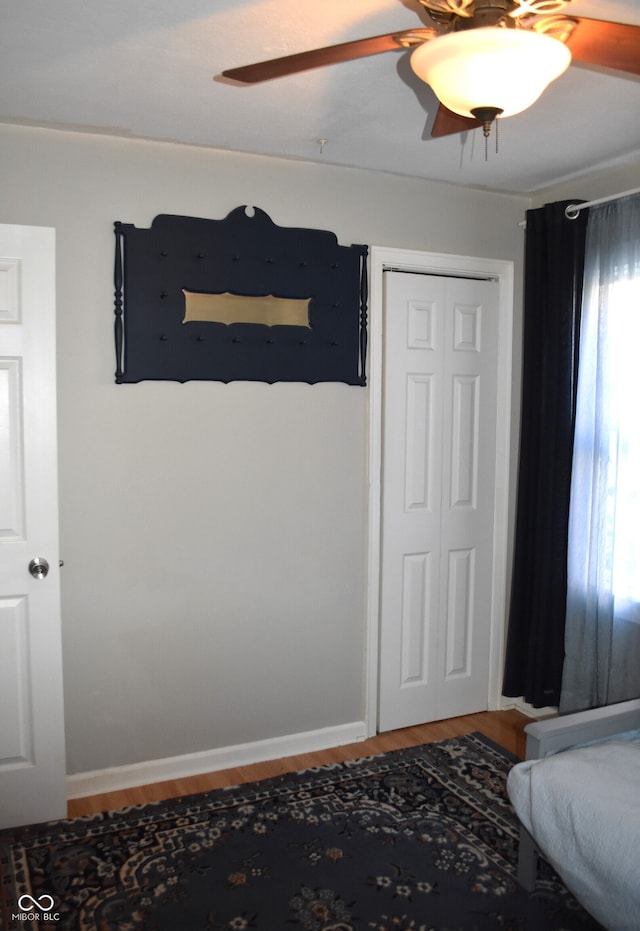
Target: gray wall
<point>214,536</point>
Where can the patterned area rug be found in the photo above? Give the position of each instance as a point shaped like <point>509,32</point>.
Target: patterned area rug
<point>415,840</point>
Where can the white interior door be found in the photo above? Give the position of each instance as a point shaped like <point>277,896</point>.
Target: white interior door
<point>440,341</point>
<point>32,757</point>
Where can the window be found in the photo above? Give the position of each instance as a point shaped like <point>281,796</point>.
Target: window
<point>623,460</point>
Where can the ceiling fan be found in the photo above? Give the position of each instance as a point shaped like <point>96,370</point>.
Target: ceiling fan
<point>482,58</point>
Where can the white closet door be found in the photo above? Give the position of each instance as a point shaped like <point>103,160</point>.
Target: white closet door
<point>439,431</point>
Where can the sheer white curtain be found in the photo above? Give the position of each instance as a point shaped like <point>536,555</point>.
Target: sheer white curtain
<point>602,638</point>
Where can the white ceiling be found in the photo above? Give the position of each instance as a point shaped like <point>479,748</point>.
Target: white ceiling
<point>146,68</point>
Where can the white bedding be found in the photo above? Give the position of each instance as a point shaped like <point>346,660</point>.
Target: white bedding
<point>582,806</point>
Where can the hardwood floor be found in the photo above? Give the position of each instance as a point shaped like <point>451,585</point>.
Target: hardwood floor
<point>503,727</point>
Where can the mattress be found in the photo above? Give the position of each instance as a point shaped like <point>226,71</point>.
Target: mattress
<point>582,807</point>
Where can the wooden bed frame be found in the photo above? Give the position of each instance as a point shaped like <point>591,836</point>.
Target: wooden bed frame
<point>559,733</point>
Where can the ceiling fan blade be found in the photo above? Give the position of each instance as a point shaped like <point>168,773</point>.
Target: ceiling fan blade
<point>447,122</point>
<point>611,45</point>
<point>330,55</point>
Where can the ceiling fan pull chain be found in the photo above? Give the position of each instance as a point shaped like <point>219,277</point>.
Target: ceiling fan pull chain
<point>486,131</point>
<point>486,116</point>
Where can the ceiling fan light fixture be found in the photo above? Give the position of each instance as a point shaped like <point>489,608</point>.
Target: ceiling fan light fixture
<point>502,69</point>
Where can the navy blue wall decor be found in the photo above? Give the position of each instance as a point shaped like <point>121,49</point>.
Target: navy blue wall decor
<point>189,293</point>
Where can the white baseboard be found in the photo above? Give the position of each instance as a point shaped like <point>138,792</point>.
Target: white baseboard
<point>519,704</point>
<point>115,778</point>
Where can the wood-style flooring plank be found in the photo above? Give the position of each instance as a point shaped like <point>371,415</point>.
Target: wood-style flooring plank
<point>503,727</point>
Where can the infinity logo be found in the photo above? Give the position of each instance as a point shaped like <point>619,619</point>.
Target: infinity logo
<point>37,903</point>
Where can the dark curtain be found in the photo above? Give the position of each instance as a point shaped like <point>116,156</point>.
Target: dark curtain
<point>554,260</point>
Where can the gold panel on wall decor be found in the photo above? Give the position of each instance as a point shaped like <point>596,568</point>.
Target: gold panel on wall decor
<point>237,308</point>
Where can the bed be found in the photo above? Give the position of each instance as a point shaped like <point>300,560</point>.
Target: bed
<point>577,795</point>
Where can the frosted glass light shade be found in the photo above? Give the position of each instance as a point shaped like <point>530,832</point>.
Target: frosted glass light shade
<point>490,67</point>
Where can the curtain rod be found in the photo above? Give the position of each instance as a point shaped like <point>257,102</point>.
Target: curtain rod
<point>573,210</point>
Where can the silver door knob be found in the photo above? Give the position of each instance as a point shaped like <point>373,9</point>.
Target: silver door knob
<point>39,567</point>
